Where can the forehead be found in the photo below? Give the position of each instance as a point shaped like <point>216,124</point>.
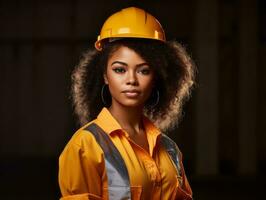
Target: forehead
<point>127,55</point>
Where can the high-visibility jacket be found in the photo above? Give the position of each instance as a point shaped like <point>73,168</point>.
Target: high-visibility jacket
<point>116,180</point>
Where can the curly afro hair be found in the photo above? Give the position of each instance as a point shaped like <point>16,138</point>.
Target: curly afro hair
<point>174,72</point>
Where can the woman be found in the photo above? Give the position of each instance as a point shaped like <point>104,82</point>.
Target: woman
<point>125,93</point>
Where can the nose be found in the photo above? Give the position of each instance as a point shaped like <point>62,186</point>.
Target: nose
<point>132,78</point>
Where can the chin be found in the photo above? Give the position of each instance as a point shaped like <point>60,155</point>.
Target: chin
<point>126,102</point>
<point>131,103</point>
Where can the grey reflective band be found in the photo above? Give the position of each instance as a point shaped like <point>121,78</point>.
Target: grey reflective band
<point>117,174</point>
<point>174,153</point>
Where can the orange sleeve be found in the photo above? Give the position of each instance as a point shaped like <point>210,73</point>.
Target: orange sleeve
<point>81,168</point>
<point>185,187</point>
<point>184,192</point>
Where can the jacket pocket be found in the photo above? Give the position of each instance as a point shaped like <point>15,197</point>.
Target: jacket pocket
<point>85,196</point>
<point>135,192</point>
<point>120,192</point>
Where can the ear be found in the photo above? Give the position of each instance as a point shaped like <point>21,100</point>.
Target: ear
<point>105,79</point>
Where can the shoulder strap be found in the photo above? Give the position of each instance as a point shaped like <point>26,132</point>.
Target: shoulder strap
<point>117,174</point>
<point>173,152</point>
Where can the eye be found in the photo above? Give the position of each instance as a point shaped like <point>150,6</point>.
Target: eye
<point>145,71</point>
<point>119,70</point>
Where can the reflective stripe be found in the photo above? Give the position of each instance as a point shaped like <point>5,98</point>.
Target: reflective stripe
<point>174,153</point>
<point>117,174</point>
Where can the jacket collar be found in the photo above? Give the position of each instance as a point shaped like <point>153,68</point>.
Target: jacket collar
<point>110,125</point>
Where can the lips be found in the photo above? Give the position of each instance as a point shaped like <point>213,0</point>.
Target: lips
<point>131,93</point>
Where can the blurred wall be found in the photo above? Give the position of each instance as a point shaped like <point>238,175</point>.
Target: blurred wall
<point>222,132</point>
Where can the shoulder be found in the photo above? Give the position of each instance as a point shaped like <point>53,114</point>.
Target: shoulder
<point>82,136</point>
<point>170,145</point>
<point>83,142</point>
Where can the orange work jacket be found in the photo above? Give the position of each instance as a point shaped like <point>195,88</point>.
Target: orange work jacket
<point>83,172</point>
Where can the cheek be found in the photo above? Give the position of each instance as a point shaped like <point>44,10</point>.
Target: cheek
<point>114,83</point>
<point>148,83</point>
<point>113,86</point>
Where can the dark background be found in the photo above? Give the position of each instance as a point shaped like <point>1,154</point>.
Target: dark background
<point>222,133</point>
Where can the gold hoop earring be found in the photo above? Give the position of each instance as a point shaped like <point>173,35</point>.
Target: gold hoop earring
<point>102,94</point>
<point>156,101</point>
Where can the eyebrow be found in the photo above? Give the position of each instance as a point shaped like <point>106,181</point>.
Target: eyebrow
<point>125,64</point>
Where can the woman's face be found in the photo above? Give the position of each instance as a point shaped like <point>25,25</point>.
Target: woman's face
<point>129,77</point>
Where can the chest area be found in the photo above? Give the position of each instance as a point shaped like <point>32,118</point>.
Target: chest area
<point>151,172</point>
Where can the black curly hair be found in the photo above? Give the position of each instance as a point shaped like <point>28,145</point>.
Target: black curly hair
<point>174,72</point>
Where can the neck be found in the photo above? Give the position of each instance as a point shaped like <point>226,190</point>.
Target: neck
<point>127,117</point>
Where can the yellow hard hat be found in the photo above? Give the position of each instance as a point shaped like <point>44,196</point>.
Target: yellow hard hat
<point>130,22</point>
